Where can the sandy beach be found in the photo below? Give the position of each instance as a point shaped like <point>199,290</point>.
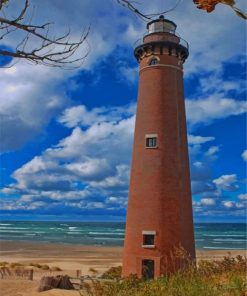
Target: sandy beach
<point>69,258</point>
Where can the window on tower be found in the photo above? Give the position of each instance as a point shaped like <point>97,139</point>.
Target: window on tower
<point>153,61</point>
<point>148,239</point>
<point>151,141</point>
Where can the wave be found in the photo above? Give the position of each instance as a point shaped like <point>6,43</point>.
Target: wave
<point>72,228</point>
<point>10,228</point>
<point>5,224</point>
<point>105,233</point>
<point>229,240</point>
<point>12,231</point>
<point>220,248</point>
<point>228,235</point>
<point>107,238</point>
<point>18,231</point>
<point>73,232</point>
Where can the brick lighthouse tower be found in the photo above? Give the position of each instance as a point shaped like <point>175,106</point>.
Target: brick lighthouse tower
<point>159,216</point>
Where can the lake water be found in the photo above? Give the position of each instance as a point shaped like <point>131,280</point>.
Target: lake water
<point>208,235</point>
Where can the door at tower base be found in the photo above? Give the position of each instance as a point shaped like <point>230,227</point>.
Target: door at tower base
<point>151,267</point>
<point>148,269</point>
<point>159,236</point>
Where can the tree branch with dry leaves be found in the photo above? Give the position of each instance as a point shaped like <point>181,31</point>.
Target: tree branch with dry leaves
<point>208,5</point>
<point>37,45</point>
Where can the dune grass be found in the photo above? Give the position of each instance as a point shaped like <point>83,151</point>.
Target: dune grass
<point>225,277</point>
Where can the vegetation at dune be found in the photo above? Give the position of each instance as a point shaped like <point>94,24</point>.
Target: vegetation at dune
<point>226,277</point>
<point>114,273</point>
<point>15,265</point>
<point>55,268</point>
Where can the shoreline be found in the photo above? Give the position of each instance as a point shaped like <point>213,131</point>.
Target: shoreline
<point>66,244</point>
<point>17,251</point>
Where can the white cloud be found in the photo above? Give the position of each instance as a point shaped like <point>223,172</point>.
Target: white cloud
<point>201,186</point>
<point>216,83</point>
<point>120,180</point>
<point>88,163</point>
<point>192,139</point>
<point>228,204</point>
<point>129,73</point>
<point>208,202</point>
<point>242,205</point>
<point>227,182</point>
<point>244,155</point>
<point>90,168</point>
<point>205,110</point>
<point>242,196</point>
<point>211,152</point>
<point>94,160</point>
<point>28,101</point>
<point>81,116</point>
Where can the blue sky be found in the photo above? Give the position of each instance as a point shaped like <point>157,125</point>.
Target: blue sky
<point>66,135</point>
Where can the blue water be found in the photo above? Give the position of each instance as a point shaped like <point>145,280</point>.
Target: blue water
<point>208,235</point>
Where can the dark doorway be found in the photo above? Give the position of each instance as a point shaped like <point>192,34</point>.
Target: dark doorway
<point>148,269</point>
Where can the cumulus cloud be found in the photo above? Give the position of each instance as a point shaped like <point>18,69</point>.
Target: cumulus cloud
<point>89,169</point>
<point>211,152</point>
<point>80,115</point>
<point>192,139</point>
<point>28,101</point>
<point>217,83</point>
<point>244,155</point>
<point>227,182</point>
<point>129,73</point>
<point>243,196</point>
<point>205,110</point>
<point>85,166</point>
<point>208,202</point>
<point>32,95</point>
<point>228,204</point>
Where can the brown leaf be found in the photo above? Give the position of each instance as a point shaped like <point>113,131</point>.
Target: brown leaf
<point>209,6</point>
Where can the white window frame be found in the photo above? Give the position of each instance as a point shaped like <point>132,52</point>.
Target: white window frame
<point>147,136</point>
<point>148,232</point>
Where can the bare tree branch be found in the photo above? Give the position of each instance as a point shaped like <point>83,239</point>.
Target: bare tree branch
<point>131,5</point>
<point>46,50</point>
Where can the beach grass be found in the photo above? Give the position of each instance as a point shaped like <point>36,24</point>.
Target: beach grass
<point>225,277</point>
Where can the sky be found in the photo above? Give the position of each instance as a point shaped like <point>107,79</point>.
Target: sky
<point>66,135</point>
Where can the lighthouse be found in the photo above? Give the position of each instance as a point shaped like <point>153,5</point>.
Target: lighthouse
<point>159,215</point>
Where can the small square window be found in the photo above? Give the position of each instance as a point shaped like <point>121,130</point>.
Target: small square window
<point>148,239</point>
<point>151,142</point>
